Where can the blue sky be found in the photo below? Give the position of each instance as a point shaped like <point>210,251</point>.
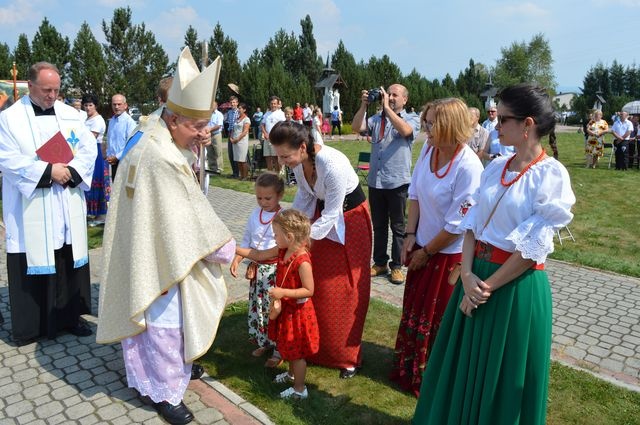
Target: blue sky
<point>433,37</point>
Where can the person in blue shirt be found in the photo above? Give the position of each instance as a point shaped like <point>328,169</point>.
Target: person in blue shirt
<point>121,126</point>
<point>393,131</point>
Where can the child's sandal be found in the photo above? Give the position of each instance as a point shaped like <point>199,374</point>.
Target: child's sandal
<point>259,352</point>
<point>292,393</point>
<point>274,361</point>
<point>283,378</point>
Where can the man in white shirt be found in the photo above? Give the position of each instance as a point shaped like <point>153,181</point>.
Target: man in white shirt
<point>121,126</point>
<point>45,211</point>
<point>214,152</point>
<point>622,130</point>
<point>307,116</point>
<point>271,117</point>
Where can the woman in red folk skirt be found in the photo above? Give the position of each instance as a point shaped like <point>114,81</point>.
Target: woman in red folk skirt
<point>446,175</point>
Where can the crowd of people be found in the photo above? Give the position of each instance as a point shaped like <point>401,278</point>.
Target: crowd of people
<point>481,205</point>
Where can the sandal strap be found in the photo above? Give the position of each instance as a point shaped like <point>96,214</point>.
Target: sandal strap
<point>282,378</point>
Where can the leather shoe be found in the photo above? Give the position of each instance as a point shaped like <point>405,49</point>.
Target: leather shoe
<point>348,373</point>
<point>377,270</point>
<point>81,329</point>
<point>176,415</point>
<point>23,342</point>
<point>396,277</point>
<point>196,371</point>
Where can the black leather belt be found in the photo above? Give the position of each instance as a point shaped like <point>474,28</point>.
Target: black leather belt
<point>351,200</point>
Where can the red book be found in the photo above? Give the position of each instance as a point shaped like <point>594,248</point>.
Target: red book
<point>56,150</point>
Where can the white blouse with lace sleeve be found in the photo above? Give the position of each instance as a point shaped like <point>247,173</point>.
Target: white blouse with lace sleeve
<point>335,178</point>
<point>528,214</point>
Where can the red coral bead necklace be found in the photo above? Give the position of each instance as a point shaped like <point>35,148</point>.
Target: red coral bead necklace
<point>268,221</point>
<point>521,173</point>
<point>435,165</point>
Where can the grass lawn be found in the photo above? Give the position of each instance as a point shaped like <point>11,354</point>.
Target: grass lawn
<point>370,398</point>
<point>605,225</point>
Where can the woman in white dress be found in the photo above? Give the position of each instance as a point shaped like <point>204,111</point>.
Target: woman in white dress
<point>240,141</point>
<point>316,127</point>
<point>490,363</point>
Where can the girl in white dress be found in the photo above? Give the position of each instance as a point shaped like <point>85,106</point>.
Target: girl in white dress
<point>259,235</point>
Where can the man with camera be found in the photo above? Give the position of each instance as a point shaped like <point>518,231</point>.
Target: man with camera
<point>392,131</point>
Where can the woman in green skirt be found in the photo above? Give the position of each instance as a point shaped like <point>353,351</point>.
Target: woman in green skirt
<point>490,362</point>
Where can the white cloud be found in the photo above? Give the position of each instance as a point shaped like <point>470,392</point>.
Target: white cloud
<point>170,27</point>
<point>327,22</point>
<point>17,13</point>
<point>523,10</point>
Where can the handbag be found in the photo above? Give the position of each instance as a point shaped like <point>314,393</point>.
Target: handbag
<point>252,269</point>
<point>275,309</point>
<point>276,305</point>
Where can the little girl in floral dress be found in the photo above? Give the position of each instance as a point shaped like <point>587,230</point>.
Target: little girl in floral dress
<point>258,234</point>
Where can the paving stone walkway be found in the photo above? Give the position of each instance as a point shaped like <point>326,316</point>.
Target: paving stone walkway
<point>596,327</point>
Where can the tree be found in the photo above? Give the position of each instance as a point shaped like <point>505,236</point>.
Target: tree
<point>254,81</point>
<point>522,62</point>
<point>632,82</point>
<point>191,41</point>
<point>382,72</point>
<point>88,67</point>
<point>135,61</point>
<point>596,80</point>
<point>419,90</point>
<point>6,62</point>
<point>22,56</point>
<point>308,59</point>
<point>49,45</point>
<point>449,85</point>
<point>283,48</point>
<point>473,79</point>
<point>222,45</point>
<point>616,76</point>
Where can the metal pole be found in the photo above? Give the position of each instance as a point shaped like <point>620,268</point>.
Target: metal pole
<point>203,180</point>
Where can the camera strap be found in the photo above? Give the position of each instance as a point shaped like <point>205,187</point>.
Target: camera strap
<point>383,124</point>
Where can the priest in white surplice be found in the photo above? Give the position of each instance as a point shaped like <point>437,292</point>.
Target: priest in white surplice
<point>44,212</point>
<point>162,293</point>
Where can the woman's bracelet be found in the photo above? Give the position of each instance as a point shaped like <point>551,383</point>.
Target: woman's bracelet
<point>408,234</point>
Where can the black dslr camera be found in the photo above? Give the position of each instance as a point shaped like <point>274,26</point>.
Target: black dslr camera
<point>374,95</point>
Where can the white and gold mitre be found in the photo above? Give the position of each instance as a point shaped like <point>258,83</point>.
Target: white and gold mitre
<point>192,92</point>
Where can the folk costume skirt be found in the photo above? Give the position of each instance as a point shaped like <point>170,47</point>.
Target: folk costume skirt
<point>342,280</point>
<point>98,196</point>
<point>426,294</point>
<point>492,368</point>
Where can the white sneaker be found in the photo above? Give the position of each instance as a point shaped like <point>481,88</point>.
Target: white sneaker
<point>282,378</point>
<point>292,393</point>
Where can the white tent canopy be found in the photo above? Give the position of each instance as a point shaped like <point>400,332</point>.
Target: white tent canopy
<point>632,107</point>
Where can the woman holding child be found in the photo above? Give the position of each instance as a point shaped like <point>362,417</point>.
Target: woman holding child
<point>329,193</point>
